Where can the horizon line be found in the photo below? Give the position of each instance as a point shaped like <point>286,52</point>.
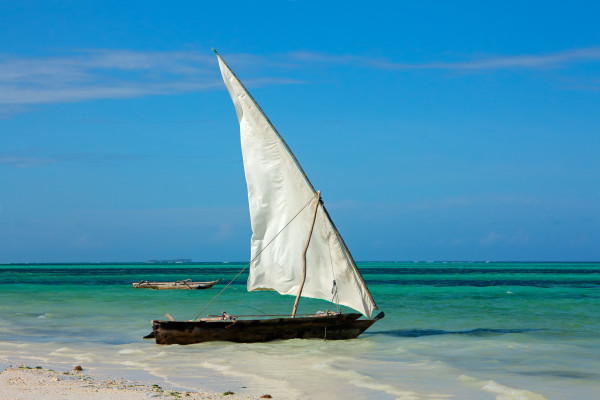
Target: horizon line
<point>191,262</point>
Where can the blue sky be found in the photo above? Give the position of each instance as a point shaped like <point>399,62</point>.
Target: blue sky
<point>435,130</point>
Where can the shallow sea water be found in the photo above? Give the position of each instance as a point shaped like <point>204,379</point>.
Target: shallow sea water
<point>452,331</point>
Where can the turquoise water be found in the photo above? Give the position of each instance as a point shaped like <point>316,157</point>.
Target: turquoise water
<point>458,330</point>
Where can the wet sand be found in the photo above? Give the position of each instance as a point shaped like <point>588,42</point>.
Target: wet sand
<point>33,383</point>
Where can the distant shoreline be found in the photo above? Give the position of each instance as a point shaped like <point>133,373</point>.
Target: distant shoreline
<point>166,262</point>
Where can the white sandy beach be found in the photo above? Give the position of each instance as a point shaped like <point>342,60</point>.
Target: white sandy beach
<point>34,383</point>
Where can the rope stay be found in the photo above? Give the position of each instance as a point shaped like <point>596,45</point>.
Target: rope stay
<point>255,257</point>
<point>335,298</point>
<point>334,290</point>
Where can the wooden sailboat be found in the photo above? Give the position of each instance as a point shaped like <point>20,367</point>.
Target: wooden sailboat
<point>295,247</point>
<point>186,284</point>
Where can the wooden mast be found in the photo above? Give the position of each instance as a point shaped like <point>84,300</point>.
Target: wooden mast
<point>312,225</point>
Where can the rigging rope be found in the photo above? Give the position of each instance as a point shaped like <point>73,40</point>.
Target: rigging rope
<point>334,287</point>
<point>335,298</point>
<point>255,257</point>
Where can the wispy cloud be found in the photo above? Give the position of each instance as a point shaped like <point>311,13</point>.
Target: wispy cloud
<point>36,158</point>
<point>102,74</point>
<point>112,74</point>
<point>493,238</point>
<point>549,60</point>
<point>593,85</point>
<point>85,64</point>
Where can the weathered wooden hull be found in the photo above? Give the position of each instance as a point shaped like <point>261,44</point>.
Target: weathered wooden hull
<point>331,327</point>
<point>185,285</point>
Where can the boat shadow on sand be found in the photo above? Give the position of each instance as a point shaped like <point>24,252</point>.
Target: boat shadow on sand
<point>432,332</point>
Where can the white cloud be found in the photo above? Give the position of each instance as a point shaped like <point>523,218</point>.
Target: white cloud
<point>72,93</point>
<point>556,59</point>
<point>225,232</point>
<point>83,65</point>
<point>494,238</point>
<point>85,241</point>
<point>111,74</point>
<point>520,237</point>
<point>35,158</point>
<point>102,74</point>
<point>23,161</point>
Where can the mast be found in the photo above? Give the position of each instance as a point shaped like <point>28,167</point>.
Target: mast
<point>312,225</point>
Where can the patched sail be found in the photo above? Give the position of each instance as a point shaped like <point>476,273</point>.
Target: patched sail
<point>279,192</point>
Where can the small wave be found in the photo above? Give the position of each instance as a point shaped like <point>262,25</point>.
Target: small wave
<point>549,283</point>
<point>432,332</point>
<point>367,382</point>
<point>61,350</point>
<point>562,374</point>
<point>257,379</point>
<point>139,365</point>
<point>508,393</point>
<point>130,351</point>
<point>503,392</point>
<point>67,352</point>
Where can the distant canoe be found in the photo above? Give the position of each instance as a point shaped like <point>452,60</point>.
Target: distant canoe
<point>185,284</point>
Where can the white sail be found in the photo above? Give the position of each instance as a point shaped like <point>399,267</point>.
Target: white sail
<point>277,191</point>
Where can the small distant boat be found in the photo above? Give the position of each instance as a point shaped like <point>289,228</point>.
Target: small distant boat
<point>184,284</point>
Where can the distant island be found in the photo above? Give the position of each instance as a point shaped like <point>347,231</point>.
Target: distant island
<point>174,261</point>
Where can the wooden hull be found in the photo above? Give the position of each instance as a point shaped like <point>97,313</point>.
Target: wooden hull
<point>331,327</point>
<point>186,285</point>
